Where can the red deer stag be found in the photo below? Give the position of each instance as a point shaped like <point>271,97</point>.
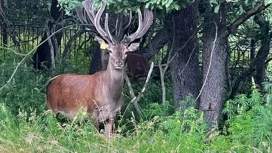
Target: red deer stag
<point>100,94</point>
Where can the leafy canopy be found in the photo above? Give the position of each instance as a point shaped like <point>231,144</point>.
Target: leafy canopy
<point>126,5</point>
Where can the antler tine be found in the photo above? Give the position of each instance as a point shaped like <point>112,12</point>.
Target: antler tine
<point>117,29</point>
<point>86,6</point>
<point>107,28</point>
<point>91,10</point>
<point>140,21</point>
<point>129,20</point>
<point>148,20</point>
<point>97,22</point>
<point>122,23</point>
<point>95,19</point>
<point>143,26</point>
<point>81,15</point>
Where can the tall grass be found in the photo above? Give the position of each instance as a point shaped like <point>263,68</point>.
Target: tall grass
<point>180,132</point>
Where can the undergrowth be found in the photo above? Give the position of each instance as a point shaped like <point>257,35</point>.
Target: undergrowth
<point>26,126</point>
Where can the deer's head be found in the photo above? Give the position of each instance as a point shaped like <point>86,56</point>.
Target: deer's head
<point>117,50</point>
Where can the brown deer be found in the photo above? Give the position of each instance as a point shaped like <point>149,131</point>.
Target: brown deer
<point>100,94</point>
<point>137,66</point>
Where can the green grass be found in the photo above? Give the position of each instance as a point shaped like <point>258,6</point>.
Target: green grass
<point>32,132</point>
<point>26,126</point>
<point>42,133</point>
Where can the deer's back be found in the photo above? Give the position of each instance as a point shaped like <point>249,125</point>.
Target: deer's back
<point>68,93</point>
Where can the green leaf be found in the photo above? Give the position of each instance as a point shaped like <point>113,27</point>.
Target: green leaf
<point>176,7</point>
<point>164,2</point>
<point>246,2</point>
<point>266,2</point>
<point>216,9</point>
<point>168,3</point>
<point>213,2</point>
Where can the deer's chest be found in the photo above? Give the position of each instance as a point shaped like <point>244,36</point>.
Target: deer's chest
<point>106,108</point>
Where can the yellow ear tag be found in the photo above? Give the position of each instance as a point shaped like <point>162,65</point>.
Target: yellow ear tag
<point>103,45</point>
<point>95,38</point>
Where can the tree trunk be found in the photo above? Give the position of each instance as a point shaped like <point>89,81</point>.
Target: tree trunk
<point>96,63</point>
<point>264,50</point>
<point>252,49</point>
<point>215,35</point>
<point>214,62</point>
<point>182,42</point>
<point>42,55</point>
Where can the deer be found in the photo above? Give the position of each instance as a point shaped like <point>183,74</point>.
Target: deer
<point>137,66</point>
<point>99,95</point>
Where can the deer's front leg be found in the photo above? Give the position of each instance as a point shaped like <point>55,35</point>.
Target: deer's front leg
<point>108,125</point>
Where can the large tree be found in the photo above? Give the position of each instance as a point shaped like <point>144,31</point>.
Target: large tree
<point>183,48</point>
<point>215,34</point>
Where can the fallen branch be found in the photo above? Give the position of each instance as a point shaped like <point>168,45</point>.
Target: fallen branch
<point>135,99</point>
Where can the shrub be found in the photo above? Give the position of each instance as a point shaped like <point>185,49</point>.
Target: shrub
<point>250,122</point>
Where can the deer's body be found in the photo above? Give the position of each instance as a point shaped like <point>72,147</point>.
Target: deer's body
<point>90,93</point>
<point>100,94</point>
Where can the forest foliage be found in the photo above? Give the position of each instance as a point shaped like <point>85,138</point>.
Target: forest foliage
<point>27,126</point>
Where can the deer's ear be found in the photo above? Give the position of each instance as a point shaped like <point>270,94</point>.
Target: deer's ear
<point>103,44</point>
<point>132,47</point>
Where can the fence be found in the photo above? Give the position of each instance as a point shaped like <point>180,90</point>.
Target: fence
<point>29,37</point>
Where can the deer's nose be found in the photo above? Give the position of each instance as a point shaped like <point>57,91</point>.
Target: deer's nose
<point>119,63</point>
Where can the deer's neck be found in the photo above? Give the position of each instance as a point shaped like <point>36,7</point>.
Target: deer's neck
<point>115,80</point>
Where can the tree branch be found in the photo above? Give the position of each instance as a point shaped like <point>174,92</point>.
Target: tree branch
<point>260,57</point>
<point>7,26</point>
<point>240,20</point>
<point>135,99</point>
<point>155,44</point>
<point>68,45</point>
<point>27,55</point>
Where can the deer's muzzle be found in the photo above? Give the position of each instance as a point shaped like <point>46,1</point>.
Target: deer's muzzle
<point>119,64</point>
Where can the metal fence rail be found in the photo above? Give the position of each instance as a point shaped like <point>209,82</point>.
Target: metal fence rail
<point>29,37</point>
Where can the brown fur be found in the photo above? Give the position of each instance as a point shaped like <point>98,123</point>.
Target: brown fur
<point>68,93</point>
<point>137,66</point>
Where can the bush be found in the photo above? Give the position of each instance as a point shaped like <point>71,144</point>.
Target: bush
<point>250,122</point>
<point>26,89</point>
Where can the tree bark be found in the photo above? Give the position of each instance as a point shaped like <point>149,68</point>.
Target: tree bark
<point>214,63</point>
<point>215,34</point>
<point>185,73</point>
